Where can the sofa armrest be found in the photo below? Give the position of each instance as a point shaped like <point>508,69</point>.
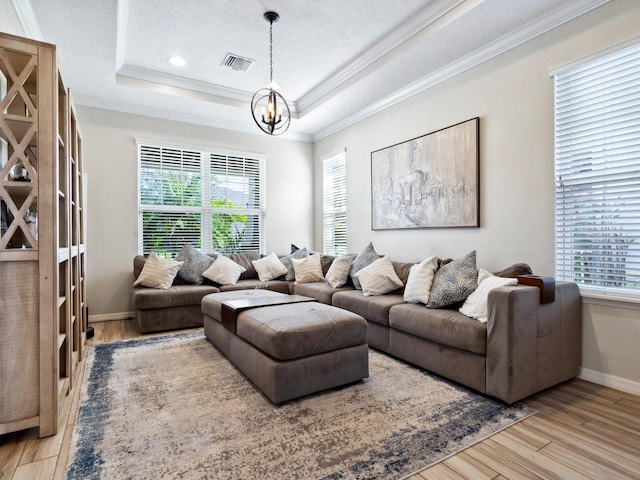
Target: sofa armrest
<point>532,346</point>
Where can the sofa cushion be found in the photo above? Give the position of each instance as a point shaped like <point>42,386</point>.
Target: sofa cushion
<point>158,272</point>
<point>444,326</point>
<point>367,256</point>
<point>454,282</point>
<point>195,262</point>
<point>321,291</point>
<point>297,330</point>
<point>269,267</point>
<point>379,278</point>
<point>327,261</point>
<point>245,260</point>
<point>175,296</point>
<point>402,270</point>
<point>374,309</point>
<point>223,271</point>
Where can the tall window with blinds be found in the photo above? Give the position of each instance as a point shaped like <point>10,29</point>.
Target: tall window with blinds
<point>597,174</point>
<point>334,211</point>
<point>211,200</point>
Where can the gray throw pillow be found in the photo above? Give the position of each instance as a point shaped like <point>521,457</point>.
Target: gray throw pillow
<point>195,262</point>
<point>454,282</point>
<point>365,257</point>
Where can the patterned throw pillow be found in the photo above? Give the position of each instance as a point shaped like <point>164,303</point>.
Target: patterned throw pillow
<point>158,272</point>
<point>379,278</point>
<point>195,262</point>
<point>308,269</point>
<point>420,280</point>
<point>298,254</point>
<point>475,306</point>
<point>269,267</point>
<point>224,271</point>
<point>338,272</point>
<point>364,258</point>
<point>454,282</point>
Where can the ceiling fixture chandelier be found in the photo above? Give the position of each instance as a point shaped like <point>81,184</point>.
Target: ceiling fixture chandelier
<point>269,109</point>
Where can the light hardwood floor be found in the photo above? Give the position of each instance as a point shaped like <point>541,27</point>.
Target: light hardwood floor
<point>582,430</point>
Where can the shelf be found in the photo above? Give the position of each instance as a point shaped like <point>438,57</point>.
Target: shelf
<point>18,189</point>
<point>19,127</point>
<point>60,141</point>
<point>63,386</point>
<point>63,254</point>
<point>61,338</point>
<point>18,255</point>
<point>61,301</point>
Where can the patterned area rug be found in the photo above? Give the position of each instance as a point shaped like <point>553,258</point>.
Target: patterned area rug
<point>174,407</point>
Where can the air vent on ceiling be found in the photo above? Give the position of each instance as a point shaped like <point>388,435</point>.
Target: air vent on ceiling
<point>236,62</point>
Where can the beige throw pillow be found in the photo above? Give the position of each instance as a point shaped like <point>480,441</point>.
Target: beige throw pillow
<point>224,271</point>
<point>158,272</point>
<point>338,272</point>
<point>308,269</point>
<point>475,306</point>
<point>269,267</point>
<point>420,279</point>
<point>379,278</point>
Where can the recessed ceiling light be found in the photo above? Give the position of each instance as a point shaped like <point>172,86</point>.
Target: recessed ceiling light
<point>177,61</point>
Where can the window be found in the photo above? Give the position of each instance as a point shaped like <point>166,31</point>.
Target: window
<point>597,174</point>
<point>211,200</point>
<point>334,210</point>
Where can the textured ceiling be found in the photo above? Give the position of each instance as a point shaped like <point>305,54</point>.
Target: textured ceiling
<point>336,61</point>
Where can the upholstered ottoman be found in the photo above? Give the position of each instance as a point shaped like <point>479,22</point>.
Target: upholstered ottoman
<point>289,349</point>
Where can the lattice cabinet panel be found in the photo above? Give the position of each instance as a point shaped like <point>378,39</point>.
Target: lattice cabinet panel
<point>19,149</point>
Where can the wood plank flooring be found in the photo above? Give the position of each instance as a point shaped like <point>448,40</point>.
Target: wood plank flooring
<point>582,431</point>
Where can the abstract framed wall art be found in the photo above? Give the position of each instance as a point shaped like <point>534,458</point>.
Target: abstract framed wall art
<point>430,181</point>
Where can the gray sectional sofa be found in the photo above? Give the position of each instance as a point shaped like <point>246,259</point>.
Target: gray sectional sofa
<point>524,347</point>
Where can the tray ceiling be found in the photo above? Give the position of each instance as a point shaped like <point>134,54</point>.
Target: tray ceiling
<point>336,62</point>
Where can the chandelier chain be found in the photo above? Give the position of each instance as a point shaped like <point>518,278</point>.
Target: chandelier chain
<point>271,52</point>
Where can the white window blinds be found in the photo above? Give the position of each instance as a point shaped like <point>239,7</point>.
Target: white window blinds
<point>237,203</point>
<point>597,173</point>
<point>212,201</point>
<point>334,211</point>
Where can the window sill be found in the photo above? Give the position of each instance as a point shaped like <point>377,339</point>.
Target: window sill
<point>610,301</point>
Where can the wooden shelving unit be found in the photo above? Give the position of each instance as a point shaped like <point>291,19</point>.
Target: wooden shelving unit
<point>42,238</point>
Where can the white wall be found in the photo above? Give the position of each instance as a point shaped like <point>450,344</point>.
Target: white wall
<point>9,22</point>
<point>513,96</point>
<point>111,163</point>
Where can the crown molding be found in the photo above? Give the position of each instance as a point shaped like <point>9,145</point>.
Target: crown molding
<point>122,23</point>
<point>132,75</point>
<point>553,19</point>
<point>27,19</point>
<point>154,112</point>
<point>358,68</point>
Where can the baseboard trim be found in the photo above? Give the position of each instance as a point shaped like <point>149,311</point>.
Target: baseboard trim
<point>107,317</point>
<point>606,380</point>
